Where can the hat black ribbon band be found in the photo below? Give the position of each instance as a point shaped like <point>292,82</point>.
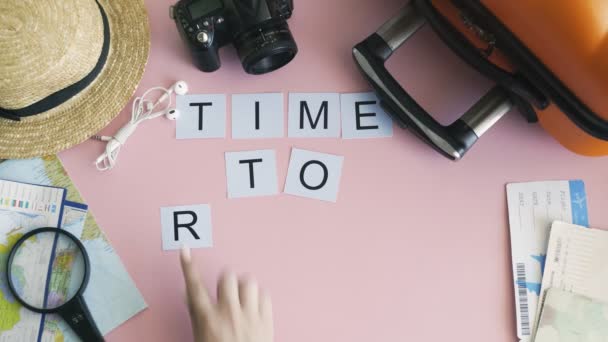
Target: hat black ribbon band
<point>67,93</point>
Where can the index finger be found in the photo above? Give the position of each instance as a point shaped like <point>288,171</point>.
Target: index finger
<point>197,293</point>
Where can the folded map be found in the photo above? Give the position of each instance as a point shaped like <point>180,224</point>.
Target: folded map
<point>111,295</point>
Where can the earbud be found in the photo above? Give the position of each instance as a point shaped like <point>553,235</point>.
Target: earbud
<point>180,88</point>
<point>172,114</point>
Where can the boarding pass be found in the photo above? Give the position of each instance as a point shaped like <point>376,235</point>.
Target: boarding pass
<point>532,209</point>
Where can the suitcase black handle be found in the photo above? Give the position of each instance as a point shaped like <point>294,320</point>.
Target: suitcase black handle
<point>453,140</point>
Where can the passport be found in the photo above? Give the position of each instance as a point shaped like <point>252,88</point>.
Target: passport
<point>568,317</point>
<point>577,262</point>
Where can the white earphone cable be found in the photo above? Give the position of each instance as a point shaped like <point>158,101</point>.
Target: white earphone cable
<point>143,109</point>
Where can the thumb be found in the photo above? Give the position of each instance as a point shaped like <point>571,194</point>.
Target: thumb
<point>195,289</point>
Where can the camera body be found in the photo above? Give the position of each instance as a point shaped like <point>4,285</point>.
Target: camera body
<point>257,28</point>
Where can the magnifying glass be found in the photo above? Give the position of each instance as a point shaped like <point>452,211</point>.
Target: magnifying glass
<point>48,270</point>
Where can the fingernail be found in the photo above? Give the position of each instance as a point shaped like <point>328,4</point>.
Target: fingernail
<point>186,253</point>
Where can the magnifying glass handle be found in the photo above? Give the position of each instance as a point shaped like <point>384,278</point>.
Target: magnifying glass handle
<point>77,315</point>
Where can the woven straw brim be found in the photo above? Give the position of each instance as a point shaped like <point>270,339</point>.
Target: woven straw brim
<point>92,109</point>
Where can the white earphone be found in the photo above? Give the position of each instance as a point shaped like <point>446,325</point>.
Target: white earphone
<point>172,114</point>
<point>179,88</point>
<point>143,109</point>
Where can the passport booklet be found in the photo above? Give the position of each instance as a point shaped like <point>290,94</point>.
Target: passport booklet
<point>569,317</point>
<point>577,263</point>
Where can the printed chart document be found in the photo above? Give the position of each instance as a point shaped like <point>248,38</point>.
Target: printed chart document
<point>111,295</point>
<point>577,262</point>
<point>532,209</point>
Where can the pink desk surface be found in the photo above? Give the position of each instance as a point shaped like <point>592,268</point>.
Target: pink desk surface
<point>415,249</point>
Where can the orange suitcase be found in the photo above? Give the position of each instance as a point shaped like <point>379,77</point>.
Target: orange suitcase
<point>549,59</point>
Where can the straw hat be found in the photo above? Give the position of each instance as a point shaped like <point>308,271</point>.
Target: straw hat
<point>67,68</point>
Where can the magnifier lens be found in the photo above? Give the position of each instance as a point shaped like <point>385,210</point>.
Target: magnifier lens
<point>47,270</point>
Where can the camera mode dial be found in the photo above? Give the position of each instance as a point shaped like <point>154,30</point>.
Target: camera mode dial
<point>203,37</point>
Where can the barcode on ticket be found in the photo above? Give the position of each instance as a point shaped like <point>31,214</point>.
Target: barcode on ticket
<point>522,293</point>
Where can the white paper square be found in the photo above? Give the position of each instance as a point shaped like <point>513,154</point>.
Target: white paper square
<point>213,123</point>
<point>327,123</point>
<point>251,173</point>
<point>257,116</point>
<point>307,177</point>
<point>370,122</point>
<point>186,236</point>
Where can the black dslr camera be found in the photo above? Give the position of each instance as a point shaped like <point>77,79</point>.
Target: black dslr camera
<point>257,28</point>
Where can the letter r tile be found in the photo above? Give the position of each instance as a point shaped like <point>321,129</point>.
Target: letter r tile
<point>186,225</point>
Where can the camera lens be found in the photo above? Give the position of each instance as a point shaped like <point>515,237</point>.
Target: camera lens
<point>266,47</point>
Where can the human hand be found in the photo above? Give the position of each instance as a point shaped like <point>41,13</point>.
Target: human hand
<point>241,314</point>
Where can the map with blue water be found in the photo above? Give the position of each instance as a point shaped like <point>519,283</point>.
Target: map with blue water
<point>111,295</point>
